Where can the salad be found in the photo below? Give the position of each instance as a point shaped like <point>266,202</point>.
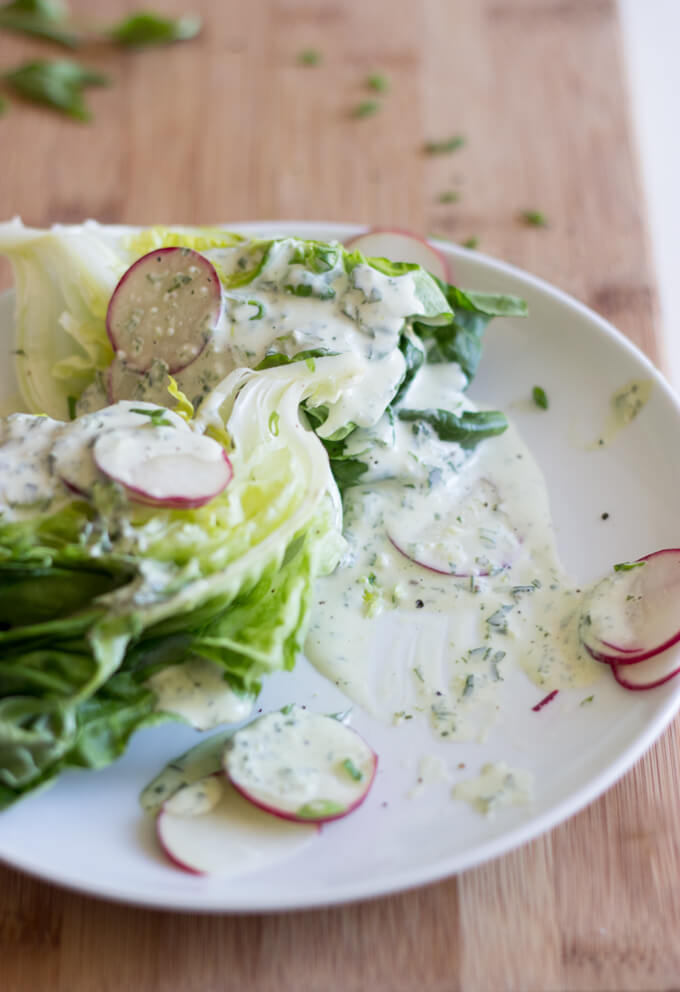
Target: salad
<point>108,584</point>
<point>239,449</point>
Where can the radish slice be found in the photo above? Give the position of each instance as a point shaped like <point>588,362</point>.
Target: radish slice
<point>165,306</point>
<point>462,542</point>
<point>207,828</point>
<point>72,451</point>
<point>301,766</point>
<point>401,246</point>
<point>648,674</point>
<point>634,614</point>
<point>163,466</point>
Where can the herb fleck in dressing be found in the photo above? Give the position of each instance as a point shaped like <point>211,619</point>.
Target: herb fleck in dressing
<point>497,786</point>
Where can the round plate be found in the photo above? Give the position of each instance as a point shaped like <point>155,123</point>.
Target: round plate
<point>88,833</point>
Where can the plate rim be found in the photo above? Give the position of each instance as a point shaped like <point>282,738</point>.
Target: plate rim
<point>198,901</point>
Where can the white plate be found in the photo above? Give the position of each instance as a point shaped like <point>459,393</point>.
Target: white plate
<point>88,833</point>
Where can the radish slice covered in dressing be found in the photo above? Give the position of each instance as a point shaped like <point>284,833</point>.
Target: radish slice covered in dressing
<point>165,306</point>
<point>163,466</point>
<point>207,828</point>
<point>72,451</point>
<point>648,674</point>
<point>634,614</point>
<point>301,766</point>
<point>465,541</point>
<point>401,246</point>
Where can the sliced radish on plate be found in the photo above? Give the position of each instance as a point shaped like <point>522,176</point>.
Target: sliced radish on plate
<point>163,466</point>
<point>207,828</point>
<point>72,451</point>
<point>301,766</point>
<point>165,306</point>
<point>401,246</point>
<point>466,540</point>
<point>634,614</point>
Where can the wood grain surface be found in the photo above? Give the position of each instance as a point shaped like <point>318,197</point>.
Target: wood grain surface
<point>231,127</point>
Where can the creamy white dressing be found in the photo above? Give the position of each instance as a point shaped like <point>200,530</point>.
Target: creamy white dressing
<point>405,641</point>
<point>496,786</point>
<point>196,691</point>
<point>360,313</point>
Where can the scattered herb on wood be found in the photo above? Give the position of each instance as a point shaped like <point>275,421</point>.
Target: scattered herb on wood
<point>470,243</point>
<point>378,82</point>
<point>367,108</point>
<point>534,218</point>
<point>310,56</point>
<point>448,196</point>
<point>445,147</point>
<point>60,84</point>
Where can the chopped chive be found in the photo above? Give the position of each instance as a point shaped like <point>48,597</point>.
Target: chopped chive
<point>71,400</point>
<point>470,243</point>
<point>378,82</point>
<point>445,147</point>
<point>448,196</point>
<point>157,416</point>
<point>534,218</point>
<point>352,770</point>
<point>587,700</point>
<point>310,56</point>
<point>540,397</point>
<point>628,566</point>
<point>469,685</point>
<point>367,108</point>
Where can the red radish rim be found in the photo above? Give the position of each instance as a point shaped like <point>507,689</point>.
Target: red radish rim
<point>167,853</point>
<point>173,370</point>
<point>318,821</point>
<point>643,686</point>
<point>174,502</point>
<point>440,571</point>
<point>448,273</point>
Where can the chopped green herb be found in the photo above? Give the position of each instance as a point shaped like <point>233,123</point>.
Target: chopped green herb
<point>274,423</point>
<point>157,416</point>
<point>378,82</point>
<point>4,105</point>
<point>445,147</point>
<point>59,84</point>
<point>628,566</point>
<point>367,108</point>
<point>352,770</point>
<point>534,218</point>
<point>310,56</point>
<point>146,28</point>
<point>448,196</point>
<point>310,363</point>
<point>417,671</point>
<point>470,243</point>
<point>587,700</point>
<point>540,397</point>
<point>469,686</point>
<point>71,400</point>
<point>288,708</point>
<point>46,19</point>
<point>260,309</point>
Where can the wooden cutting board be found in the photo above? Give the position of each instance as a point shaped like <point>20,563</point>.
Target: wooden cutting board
<point>231,127</point>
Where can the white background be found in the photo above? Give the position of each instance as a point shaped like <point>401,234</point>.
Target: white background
<point>651,32</point>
